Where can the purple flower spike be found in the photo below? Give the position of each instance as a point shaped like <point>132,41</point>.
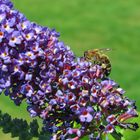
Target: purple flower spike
<point>2,17</point>
<point>1,36</point>
<point>111,119</point>
<point>15,39</point>
<point>109,128</point>
<point>45,87</point>
<point>7,26</point>
<point>4,53</point>
<point>73,96</point>
<point>28,35</point>
<point>27,90</point>
<point>24,25</point>
<point>30,55</point>
<point>86,115</point>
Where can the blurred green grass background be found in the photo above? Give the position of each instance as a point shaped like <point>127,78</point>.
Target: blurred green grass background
<point>89,24</point>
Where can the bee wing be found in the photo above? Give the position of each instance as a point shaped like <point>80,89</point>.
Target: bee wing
<point>105,49</point>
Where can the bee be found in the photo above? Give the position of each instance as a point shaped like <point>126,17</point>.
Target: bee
<point>97,56</point>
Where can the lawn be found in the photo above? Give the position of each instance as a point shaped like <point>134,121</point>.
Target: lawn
<point>89,24</point>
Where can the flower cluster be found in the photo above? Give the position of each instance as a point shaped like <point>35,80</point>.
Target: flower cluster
<point>70,94</point>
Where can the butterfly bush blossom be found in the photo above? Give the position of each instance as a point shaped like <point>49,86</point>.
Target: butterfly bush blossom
<point>73,97</point>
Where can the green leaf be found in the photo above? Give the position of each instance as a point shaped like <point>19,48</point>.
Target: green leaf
<point>117,136</point>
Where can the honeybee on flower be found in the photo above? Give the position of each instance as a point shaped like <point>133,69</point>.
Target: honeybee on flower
<point>97,56</point>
